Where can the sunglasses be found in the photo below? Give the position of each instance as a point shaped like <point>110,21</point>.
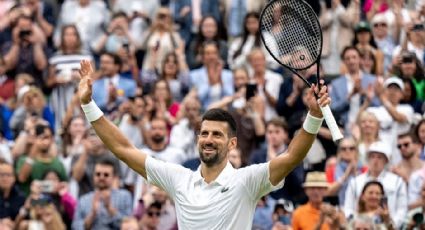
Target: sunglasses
<point>151,214</point>
<point>351,148</point>
<point>99,174</point>
<point>380,24</point>
<point>405,145</point>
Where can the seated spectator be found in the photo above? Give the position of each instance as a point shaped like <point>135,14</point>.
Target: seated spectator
<point>34,164</point>
<point>63,71</point>
<point>347,166</point>
<point>211,81</point>
<point>365,132</point>
<point>410,161</point>
<point>174,70</point>
<point>374,204</point>
<point>379,155</point>
<point>11,198</point>
<point>209,31</point>
<point>165,106</point>
<point>150,219</point>
<point>104,207</point>
<point>315,214</point>
<point>112,88</point>
<point>368,62</point>
<point>263,213</point>
<point>282,214</point>
<point>82,165</point>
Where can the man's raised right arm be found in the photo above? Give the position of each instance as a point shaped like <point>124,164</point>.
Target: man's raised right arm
<point>110,135</point>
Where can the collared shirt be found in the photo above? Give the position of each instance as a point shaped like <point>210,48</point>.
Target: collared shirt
<point>416,181</point>
<point>226,203</point>
<point>120,200</point>
<point>395,190</point>
<point>306,217</point>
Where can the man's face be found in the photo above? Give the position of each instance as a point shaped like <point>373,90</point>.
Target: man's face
<point>158,131</point>
<point>276,136</point>
<point>394,93</point>
<point>7,177</point>
<point>380,29</point>
<point>352,60</point>
<point>377,161</point>
<point>137,108</point>
<point>44,140</point>
<point>103,176</point>
<point>315,194</point>
<point>214,142</point>
<point>152,217</point>
<point>107,66</point>
<point>210,54</point>
<point>406,146</point>
<point>258,61</point>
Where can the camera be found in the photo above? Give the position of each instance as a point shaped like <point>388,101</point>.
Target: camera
<point>418,218</point>
<point>418,27</point>
<point>251,90</point>
<point>47,186</point>
<point>24,33</point>
<point>407,60</point>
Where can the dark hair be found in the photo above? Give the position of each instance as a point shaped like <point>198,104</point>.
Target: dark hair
<point>245,34</point>
<point>348,48</point>
<point>371,40</point>
<point>408,134</point>
<point>41,128</point>
<point>416,131</point>
<point>419,73</point>
<point>368,52</point>
<point>66,136</point>
<point>115,57</point>
<point>118,15</point>
<point>165,60</point>
<point>52,170</point>
<point>221,115</point>
<point>200,39</point>
<point>362,205</point>
<point>279,122</point>
<point>108,161</point>
<point>207,43</point>
<point>155,204</point>
<point>413,93</point>
<point>62,45</point>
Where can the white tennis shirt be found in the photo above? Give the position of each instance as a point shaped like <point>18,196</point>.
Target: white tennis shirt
<point>227,203</point>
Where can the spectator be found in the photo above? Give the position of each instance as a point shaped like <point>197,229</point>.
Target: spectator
<point>348,89</point>
<point>112,88</point>
<point>315,214</point>
<point>283,214</point>
<point>368,62</point>
<point>150,219</point>
<point>365,133</point>
<point>174,71</point>
<point>420,135</point>
<point>414,219</point>
<point>413,42</point>
<point>63,71</point>
<point>235,158</point>
<point>160,39</point>
<point>268,82</point>
<point>209,31</point>
<point>385,41</point>
<point>394,118</point>
<point>82,165</point>
<point>104,207</point>
<point>211,81</point>
<point>347,166</point>
<point>42,13</point>
<point>410,161</point>
<point>11,198</point>
<point>263,213</point>
<point>409,67</point>
<point>379,155</point>
<point>129,223</point>
<point>7,83</point>
<point>373,203</point>
<point>89,16</point>
<point>183,134</point>
<point>25,53</point>
<point>39,159</point>
<point>165,106</point>
<point>410,98</point>
<point>361,222</point>
<point>45,216</point>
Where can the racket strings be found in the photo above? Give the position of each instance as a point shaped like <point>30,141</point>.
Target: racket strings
<point>295,37</point>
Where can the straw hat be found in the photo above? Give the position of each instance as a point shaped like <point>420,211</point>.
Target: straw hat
<point>316,179</point>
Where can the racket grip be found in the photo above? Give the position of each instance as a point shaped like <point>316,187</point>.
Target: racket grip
<point>330,121</point>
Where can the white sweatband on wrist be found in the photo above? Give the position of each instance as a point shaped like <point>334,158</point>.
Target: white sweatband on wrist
<point>29,161</point>
<point>92,111</point>
<point>312,124</point>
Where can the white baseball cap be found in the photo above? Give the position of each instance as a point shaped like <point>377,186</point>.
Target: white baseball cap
<point>394,80</point>
<point>380,147</point>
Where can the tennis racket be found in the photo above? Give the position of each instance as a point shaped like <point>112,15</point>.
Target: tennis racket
<point>291,33</point>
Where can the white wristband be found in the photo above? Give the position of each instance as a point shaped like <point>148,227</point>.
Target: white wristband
<point>312,124</point>
<point>92,111</point>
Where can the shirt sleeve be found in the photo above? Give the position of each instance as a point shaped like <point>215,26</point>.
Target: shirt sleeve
<point>256,179</point>
<point>414,187</point>
<point>165,175</point>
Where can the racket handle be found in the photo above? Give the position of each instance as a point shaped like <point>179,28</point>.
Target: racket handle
<point>330,121</point>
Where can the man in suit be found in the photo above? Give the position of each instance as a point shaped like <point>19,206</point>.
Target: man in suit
<point>348,90</point>
<point>111,88</point>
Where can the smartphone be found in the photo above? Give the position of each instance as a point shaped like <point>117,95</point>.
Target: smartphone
<point>384,202</point>
<point>47,186</point>
<point>126,46</point>
<point>418,27</point>
<point>407,60</point>
<point>251,90</point>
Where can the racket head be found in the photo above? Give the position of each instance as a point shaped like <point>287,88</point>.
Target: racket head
<point>291,33</point>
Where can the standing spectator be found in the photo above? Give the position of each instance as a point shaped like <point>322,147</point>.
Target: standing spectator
<point>211,81</point>
<point>11,198</point>
<point>39,159</point>
<point>160,39</point>
<point>379,155</point>
<point>63,71</point>
<point>347,90</point>
<point>347,166</point>
<point>410,161</point>
<point>25,53</point>
<point>89,16</point>
<point>104,207</point>
<point>42,13</point>
<point>315,214</point>
<point>209,30</point>
<point>373,203</point>
<point>112,88</point>
<point>268,82</point>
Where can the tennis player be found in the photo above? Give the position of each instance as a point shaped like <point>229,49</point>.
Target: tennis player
<point>216,196</point>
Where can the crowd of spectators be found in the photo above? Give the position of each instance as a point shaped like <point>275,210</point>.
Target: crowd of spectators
<point>161,63</point>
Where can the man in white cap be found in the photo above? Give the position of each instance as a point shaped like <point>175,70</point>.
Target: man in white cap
<point>378,156</point>
<point>394,118</point>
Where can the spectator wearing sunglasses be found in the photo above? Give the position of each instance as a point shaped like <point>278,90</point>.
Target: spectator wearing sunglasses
<point>150,219</point>
<point>410,161</point>
<point>104,207</point>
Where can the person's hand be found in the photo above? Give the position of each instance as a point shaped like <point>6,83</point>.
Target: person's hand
<point>62,188</point>
<point>85,85</point>
<point>313,104</point>
<point>184,11</point>
<point>96,203</point>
